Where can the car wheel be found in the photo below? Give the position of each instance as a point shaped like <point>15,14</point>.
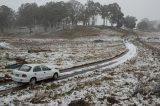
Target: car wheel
<point>33,81</point>
<point>55,76</point>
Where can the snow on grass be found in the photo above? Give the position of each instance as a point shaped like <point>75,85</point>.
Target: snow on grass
<point>130,54</point>
<point>4,45</point>
<point>106,86</point>
<point>8,86</point>
<point>67,89</point>
<point>65,53</point>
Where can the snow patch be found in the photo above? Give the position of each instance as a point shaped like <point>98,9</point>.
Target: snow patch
<point>4,45</point>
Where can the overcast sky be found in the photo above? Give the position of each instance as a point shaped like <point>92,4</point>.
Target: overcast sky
<point>138,8</point>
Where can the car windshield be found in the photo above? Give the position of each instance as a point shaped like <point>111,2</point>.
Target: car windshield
<point>24,68</point>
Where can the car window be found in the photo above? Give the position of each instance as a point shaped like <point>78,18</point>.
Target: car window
<point>25,68</point>
<point>37,69</point>
<point>45,68</point>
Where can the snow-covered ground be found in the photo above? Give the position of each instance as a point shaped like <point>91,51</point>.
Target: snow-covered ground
<point>62,53</point>
<point>4,45</point>
<point>151,38</point>
<point>113,63</point>
<point>130,54</point>
<point>131,80</point>
<point>120,84</point>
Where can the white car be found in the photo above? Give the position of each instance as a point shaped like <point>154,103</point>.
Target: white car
<point>31,73</point>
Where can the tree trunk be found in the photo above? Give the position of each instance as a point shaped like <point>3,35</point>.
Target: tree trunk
<point>45,28</point>
<point>104,21</point>
<point>2,30</point>
<point>30,29</point>
<point>63,25</point>
<point>93,21</point>
<point>73,22</point>
<point>51,24</point>
<point>111,24</point>
<point>83,23</point>
<point>88,22</point>
<point>76,23</point>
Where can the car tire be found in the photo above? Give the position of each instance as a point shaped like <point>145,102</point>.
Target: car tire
<point>33,81</point>
<point>55,76</point>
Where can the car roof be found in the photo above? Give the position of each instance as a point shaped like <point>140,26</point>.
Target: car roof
<point>33,65</point>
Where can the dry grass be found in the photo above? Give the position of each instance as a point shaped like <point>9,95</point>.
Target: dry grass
<point>52,86</point>
<point>70,33</point>
<point>112,100</point>
<point>95,82</point>
<point>38,101</point>
<point>106,78</point>
<point>82,85</point>
<point>79,103</point>
<point>37,51</point>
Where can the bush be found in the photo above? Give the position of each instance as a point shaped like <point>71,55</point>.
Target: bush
<point>38,101</point>
<point>98,41</point>
<point>112,100</point>
<point>79,103</point>
<point>52,86</point>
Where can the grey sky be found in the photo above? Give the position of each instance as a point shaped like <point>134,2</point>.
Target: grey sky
<point>139,8</point>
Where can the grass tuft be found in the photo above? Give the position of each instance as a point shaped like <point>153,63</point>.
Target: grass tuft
<point>79,103</point>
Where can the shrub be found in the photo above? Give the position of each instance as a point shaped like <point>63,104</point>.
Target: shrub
<point>38,101</point>
<point>79,103</point>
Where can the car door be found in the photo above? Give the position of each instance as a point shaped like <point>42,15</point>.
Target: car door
<point>38,73</point>
<point>47,71</point>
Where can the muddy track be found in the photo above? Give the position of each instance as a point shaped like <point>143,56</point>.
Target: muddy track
<point>84,71</point>
<point>95,64</point>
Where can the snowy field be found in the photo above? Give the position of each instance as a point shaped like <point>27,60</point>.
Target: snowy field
<point>62,53</point>
<point>133,80</point>
<point>152,38</point>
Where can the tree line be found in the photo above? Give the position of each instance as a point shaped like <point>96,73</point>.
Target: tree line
<point>56,14</point>
<point>148,25</point>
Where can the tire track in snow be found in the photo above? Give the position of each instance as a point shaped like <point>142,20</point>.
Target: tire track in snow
<point>132,52</point>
